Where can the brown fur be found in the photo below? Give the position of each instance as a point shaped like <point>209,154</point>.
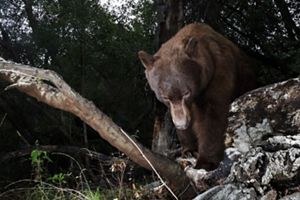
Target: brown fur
<point>197,73</point>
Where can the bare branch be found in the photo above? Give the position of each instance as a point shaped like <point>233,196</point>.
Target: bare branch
<point>48,87</point>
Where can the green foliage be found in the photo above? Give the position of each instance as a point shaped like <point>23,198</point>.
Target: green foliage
<point>57,186</point>
<point>58,178</point>
<point>38,157</point>
<point>261,28</point>
<point>94,195</point>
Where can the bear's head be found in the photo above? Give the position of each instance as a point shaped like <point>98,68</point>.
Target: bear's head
<point>176,77</point>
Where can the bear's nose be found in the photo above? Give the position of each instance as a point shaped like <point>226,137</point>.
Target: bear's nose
<point>181,125</point>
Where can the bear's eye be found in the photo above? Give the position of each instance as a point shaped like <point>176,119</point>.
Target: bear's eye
<point>186,94</point>
<point>165,98</point>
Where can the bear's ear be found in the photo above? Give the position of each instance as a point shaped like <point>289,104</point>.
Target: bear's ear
<point>146,59</point>
<point>190,46</point>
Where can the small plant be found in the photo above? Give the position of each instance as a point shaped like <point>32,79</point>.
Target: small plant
<point>59,178</point>
<point>55,187</point>
<point>119,168</point>
<point>38,159</point>
<point>93,195</point>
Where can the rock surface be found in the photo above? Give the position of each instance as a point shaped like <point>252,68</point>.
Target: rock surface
<point>264,131</point>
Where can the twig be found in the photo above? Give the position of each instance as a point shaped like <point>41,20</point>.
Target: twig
<point>3,119</point>
<point>150,164</point>
<point>23,139</point>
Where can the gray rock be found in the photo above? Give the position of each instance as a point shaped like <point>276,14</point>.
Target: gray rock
<point>228,192</point>
<point>264,137</point>
<point>294,196</point>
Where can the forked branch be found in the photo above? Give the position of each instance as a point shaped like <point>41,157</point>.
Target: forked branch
<point>48,87</point>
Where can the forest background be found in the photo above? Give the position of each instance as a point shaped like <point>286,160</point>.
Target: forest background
<point>93,45</point>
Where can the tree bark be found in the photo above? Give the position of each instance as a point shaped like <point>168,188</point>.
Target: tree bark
<point>170,20</point>
<point>33,23</point>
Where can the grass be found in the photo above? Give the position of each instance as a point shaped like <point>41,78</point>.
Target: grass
<point>43,186</point>
<point>46,191</point>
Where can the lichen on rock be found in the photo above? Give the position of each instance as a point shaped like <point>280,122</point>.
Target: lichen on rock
<point>264,130</point>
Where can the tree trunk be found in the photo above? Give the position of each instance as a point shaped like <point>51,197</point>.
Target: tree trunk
<point>292,29</point>
<point>207,11</point>
<point>33,23</point>
<point>170,20</point>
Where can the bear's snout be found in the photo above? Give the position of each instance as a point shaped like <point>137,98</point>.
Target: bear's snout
<point>180,116</point>
<point>181,124</point>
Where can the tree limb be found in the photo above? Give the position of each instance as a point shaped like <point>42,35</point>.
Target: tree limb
<point>48,87</point>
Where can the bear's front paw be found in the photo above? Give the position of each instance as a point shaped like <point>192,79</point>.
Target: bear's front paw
<point>186,162</point>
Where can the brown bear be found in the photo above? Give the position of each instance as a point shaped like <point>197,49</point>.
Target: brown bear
<point>197,73</point>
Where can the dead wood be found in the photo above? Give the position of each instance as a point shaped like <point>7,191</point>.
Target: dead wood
<point>48,87</point>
